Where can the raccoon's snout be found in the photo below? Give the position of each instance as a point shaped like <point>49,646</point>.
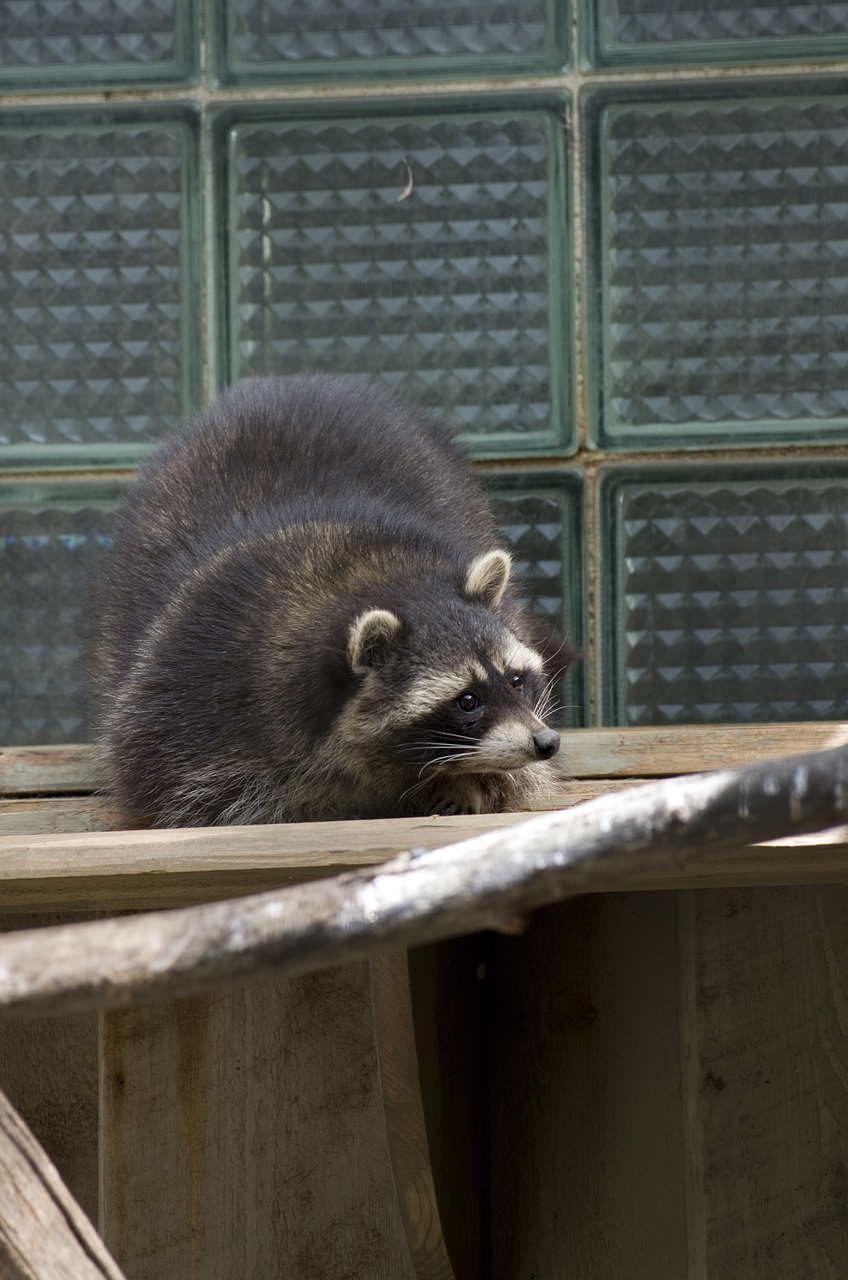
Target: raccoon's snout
<point>546,743</point>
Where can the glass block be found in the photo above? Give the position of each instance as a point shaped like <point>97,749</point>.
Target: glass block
<point>97,43</point>
<point>719,257</point>
<point>264,41</point>
<point>540,513</point>
<point>100,306</point>
<point>52,538</point>
<point>725,593</point>
<point>426,252</point>
<point>661,32</point>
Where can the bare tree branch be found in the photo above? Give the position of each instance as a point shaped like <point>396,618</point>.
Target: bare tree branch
<point>481,883</point>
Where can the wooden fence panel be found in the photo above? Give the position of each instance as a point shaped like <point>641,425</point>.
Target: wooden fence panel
<point>243,1135</point>
<point>49,1072</point>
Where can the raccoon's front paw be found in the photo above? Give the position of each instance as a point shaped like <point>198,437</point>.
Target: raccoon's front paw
<point>445,808</point>
<point>459,797</point>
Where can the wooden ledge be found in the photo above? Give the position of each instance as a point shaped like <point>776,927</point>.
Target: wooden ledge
<point>60,849</point>
<point>586,753</point>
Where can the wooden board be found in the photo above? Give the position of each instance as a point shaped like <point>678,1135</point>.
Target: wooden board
<point>586,1128</point>
<point>586,753</point>
<point>771,1081</point>
<point>62,770</point>
<point>111,871</point>
<point>49,1072</point>
<point>669,1088</point>
<point>243,1135</point>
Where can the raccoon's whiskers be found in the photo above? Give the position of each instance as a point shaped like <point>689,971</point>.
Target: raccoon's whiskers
<point>428,764</point>
<point>442,738</point>
<point>427,744</point>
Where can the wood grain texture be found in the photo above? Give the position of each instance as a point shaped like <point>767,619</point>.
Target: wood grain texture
<point>244,1136</point>
<point>771,993</point>
<point>44,1235</point>
<point>62,770</point>
<point>49,1072</point>
<point>586,1126</point>
<point>450,1004</point>
<point>406,1128</point>
<point>58,815</point>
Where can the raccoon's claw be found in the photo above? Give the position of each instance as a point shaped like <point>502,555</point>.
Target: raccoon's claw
<point>444,808</point>
<point>463,800</point>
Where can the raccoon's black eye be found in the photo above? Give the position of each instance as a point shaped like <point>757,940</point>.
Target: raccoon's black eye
<point>517,679</point>
<point>468,702</point>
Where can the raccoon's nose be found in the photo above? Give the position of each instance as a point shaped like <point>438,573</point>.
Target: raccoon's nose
<point>546,742</point>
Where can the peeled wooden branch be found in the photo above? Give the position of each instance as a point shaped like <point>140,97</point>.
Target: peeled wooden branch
<point>481,883</point>
<point>44,1234</point>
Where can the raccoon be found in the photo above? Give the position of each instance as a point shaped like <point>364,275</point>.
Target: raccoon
<point>307,615</point>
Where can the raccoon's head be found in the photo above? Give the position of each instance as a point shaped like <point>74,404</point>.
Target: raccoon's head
<point>455,690</point>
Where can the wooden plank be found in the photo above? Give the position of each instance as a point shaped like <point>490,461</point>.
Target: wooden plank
<point>57,815</point>
<point>110,871</point>
<point>450,1006</point>
<point>586,1123</point>
<point>49,1071</point>
<point>60,770</point>
<point>406,1129</point>
<point>771,976</point>
<point>243,1135</point>
<point>646,751</point>
<point>667,751</point>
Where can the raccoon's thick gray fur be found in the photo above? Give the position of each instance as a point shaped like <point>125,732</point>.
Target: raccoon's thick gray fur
<point>307,616</point>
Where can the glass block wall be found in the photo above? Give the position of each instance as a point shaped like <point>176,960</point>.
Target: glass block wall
<point>607,241</point>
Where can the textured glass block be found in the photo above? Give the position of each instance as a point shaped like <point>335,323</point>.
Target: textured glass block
<point>61,43</point>
<point>264,40</point>
<point>428,253</point>
<point>721,270</point>
<point>52,538</point>
<point>100,302</point>
<point>654,32</point>
<point>540,514</point>
<point>725,594</point>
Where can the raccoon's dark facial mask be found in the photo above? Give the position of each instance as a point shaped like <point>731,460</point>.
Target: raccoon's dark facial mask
<point>493,721</point>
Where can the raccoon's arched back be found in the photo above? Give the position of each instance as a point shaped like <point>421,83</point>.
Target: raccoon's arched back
<point>275,452</point>
<point>296,444</point>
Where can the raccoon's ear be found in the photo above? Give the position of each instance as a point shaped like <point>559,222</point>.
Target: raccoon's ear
<point>369,639</point>
<point>487,577</point>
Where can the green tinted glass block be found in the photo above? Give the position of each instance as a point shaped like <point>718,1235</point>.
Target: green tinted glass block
<point>657,32</point>
<point>719,263</point>
<point>88,43</point>
<point>100,306</point>
<point>540,514</point>
<point>52,539</point>
<point>725,593</point>
<point>266,40</point>
<point>427,252</point>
